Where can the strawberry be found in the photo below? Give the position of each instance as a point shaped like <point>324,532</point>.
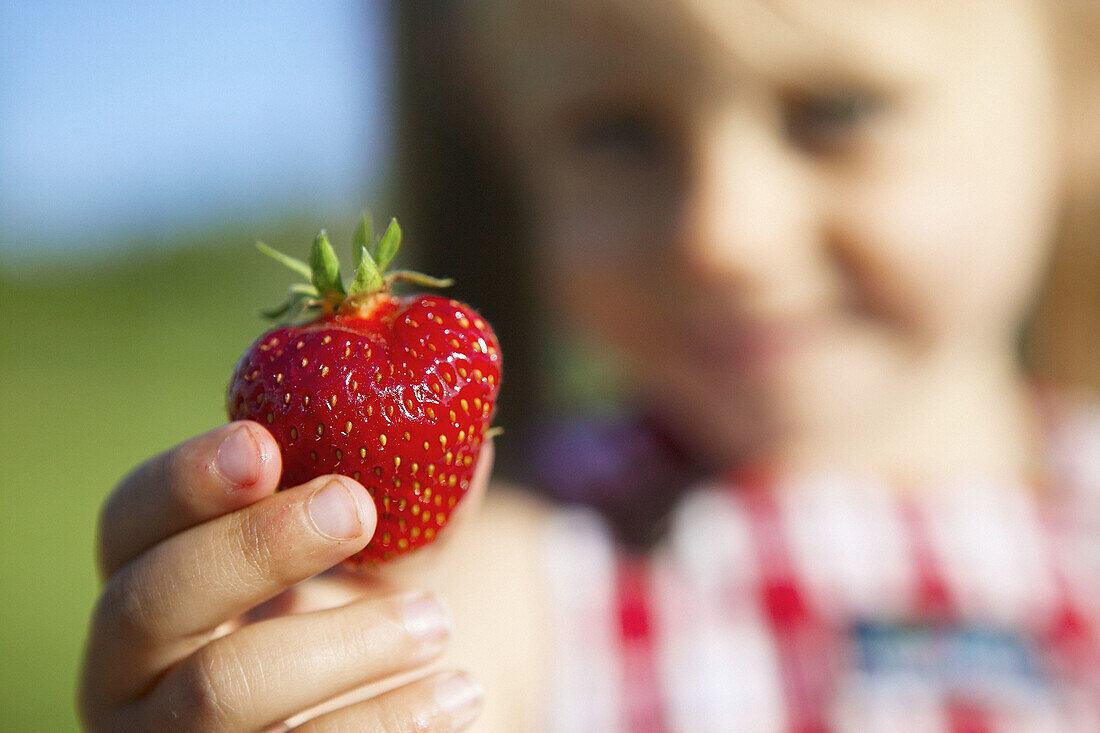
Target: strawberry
<point>395,392</point>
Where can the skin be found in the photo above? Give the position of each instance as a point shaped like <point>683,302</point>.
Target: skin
<point>205,622</point>
<point>779,234</point>
<point>810,241</point>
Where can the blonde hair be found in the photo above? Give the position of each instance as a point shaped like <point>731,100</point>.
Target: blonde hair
<point>1062,342</point>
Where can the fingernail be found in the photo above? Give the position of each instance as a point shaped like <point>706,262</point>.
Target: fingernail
<point>334,512</point>
<point>459,696</point>
<point>426,619</point>
<point>238,458</point>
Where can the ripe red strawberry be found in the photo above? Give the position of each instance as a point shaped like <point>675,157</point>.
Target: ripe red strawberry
<point>396,392</point>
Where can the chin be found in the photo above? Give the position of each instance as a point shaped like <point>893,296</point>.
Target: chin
<point>727,417</point>
<point>841,396</point>
<point>804,410</point>
<point>721,434</point>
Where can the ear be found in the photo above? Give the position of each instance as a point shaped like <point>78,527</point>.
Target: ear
<point>1077,39</point>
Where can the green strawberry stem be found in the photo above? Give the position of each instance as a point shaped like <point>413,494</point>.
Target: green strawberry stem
<point>325,293</point>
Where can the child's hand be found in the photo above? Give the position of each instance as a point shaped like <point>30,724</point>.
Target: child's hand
<point>192,541</point>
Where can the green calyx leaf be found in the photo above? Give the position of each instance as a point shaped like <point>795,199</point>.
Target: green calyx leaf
<point>325,293</point>
<point>293,307</point>
<point>419,278</point>
<point>368,277</point>
<point>292,262</point>
<point>364,237</point>
<point>304,289</point>
<point>388,245</point>
<point>373,259</point>
<point>324,266</point>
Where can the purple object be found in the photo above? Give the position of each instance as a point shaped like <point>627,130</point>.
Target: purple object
<point>621,466</point>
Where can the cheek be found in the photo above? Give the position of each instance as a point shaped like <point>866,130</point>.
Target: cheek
<point>950,251</point>
<point>950,226</point>
<point>904,247</point>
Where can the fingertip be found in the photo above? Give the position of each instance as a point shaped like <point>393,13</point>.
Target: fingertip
<point>459,696</point>
<point>270,456</point>
<point>237,460</point>
<point>246,458</point>
<point>219,471</point>
<point>347,512</point>
<point>368,512</point>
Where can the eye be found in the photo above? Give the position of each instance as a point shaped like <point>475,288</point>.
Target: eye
<point>630,135</point>
<point>828,123</point>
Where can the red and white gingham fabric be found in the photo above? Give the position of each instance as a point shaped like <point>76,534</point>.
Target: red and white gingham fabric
<point>836,605</point>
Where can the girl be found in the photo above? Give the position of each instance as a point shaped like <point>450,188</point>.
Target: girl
<point>801,240</point>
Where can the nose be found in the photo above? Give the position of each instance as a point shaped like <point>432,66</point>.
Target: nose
<point>747,207</point>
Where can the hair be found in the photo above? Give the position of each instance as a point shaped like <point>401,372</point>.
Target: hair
<point>458,188</point>
<point>1062,341</point>
<point>464,195</point>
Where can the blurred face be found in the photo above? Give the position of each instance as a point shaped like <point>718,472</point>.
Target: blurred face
<point>793,223</point>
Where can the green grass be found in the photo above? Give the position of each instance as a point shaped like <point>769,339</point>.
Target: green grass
<point>100,369</point>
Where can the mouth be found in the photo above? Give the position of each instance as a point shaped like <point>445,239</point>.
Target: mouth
<point>752,347</point>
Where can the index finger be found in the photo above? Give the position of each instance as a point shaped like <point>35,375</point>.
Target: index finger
<point>205,477</point>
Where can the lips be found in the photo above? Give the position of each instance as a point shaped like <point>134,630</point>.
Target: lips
<point>748,346</point>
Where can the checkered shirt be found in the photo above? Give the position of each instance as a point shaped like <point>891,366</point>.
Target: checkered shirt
<point>832,604</point>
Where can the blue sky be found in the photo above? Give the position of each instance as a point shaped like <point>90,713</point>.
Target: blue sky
<point>118,118</point>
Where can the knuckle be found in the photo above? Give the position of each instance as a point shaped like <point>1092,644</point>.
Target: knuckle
<point>258,538</point>
<point>253,539</point>
<point>381,714</point>
<point>392,715</point>
<point>379,631</point>
<point>396,712</point>
<point>128,605</point>
<point>206,691</point>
